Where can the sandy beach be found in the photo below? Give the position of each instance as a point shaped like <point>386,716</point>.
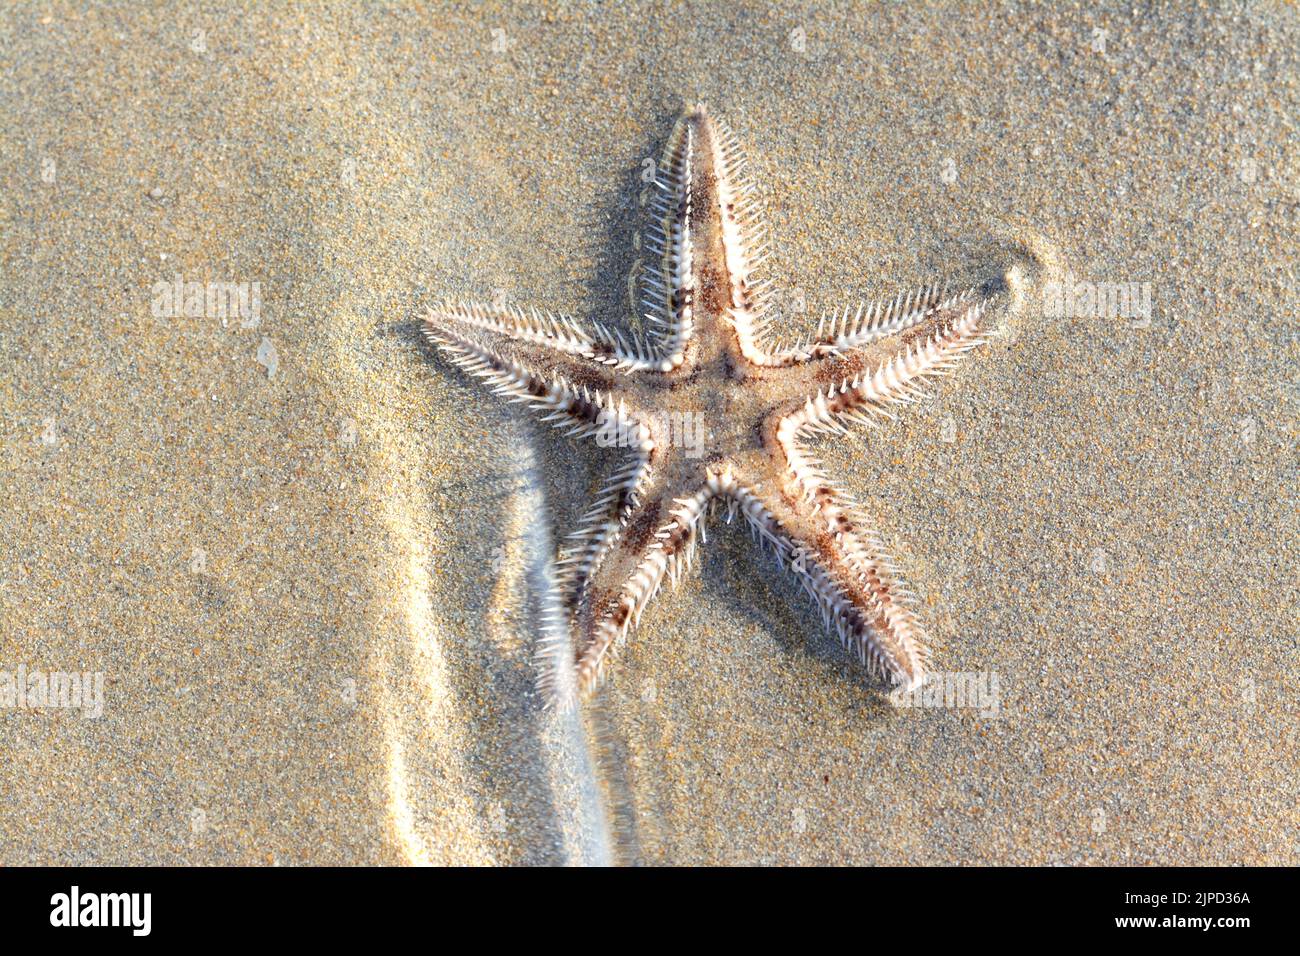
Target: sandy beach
<point>299,554</point>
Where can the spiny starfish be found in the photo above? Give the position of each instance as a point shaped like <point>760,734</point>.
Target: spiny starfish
<point>707,360</point>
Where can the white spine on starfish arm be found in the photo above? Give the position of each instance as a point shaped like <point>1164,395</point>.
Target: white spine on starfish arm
<point>847,330</point>
<point>554,653</point>
<point>671,552</point>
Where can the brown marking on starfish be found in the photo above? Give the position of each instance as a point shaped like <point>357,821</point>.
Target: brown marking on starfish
<point>642,525</point>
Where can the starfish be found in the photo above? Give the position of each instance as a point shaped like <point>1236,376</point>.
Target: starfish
<point>710,408</point>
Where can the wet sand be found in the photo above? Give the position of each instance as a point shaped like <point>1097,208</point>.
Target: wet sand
<point>303,552</point>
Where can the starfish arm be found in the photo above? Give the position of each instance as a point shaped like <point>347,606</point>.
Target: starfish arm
<point>541,337</point>
<point>569,389</point>
<point>742,223</point>
<point>710,240</point>
<point>666,289</point>
<point>848,333</point>
<point>602,526</point>
<point>843,566</point>
<point>656,538</point>
<point>929,350</point>
<point>580,554</point>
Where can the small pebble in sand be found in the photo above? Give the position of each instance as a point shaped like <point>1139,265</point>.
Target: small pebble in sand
<point>267,356</point>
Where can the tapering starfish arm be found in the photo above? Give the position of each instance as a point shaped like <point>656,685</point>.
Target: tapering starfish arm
<point>710,240</point>
<point>742,224</point>
<point>601,526</point>
<point>571,390</point>
<point>582,552</point>
<point>850,332</point>
<point>843,566</point>
<point>666,289</point>
<point>656,539</point>
<point>542,338</point>
<point>862,385</point>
